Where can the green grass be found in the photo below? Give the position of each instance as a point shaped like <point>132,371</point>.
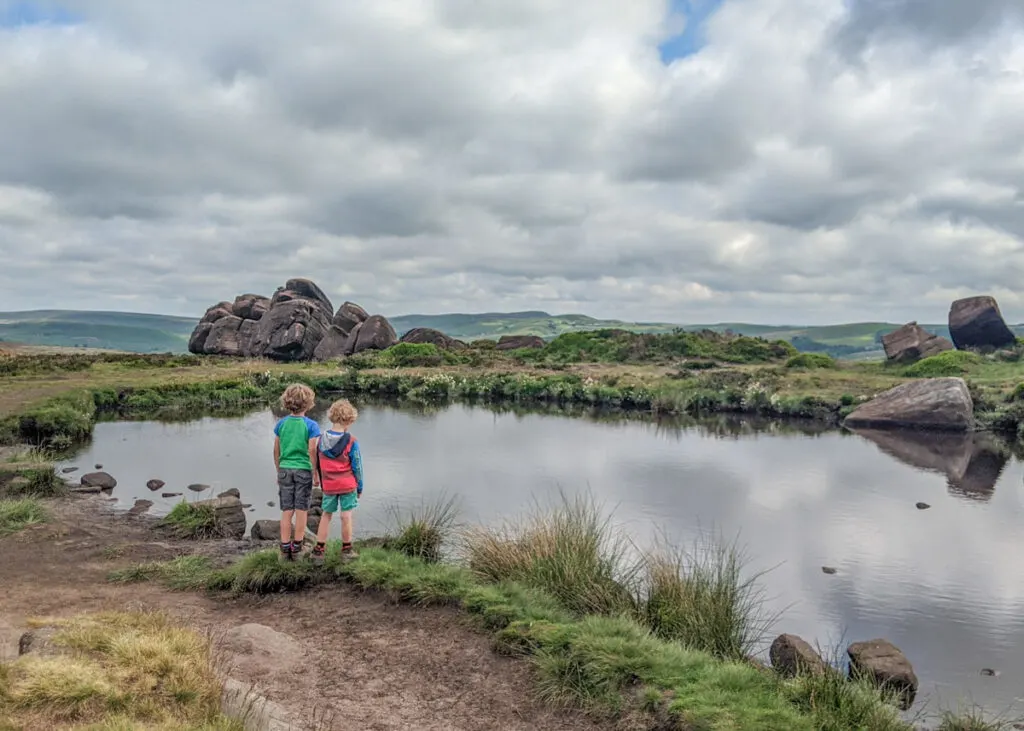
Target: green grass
<point>950,363</point>
<point>422,532</point>
<point>837,703</point>
<point>18,514</point>
<point>121,672</point>
<point>974,719</point>
<point>810,361</point>
<point>192,521</point>
<point>182,573</point>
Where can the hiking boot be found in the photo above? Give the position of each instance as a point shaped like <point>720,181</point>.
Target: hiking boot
<point>296,550</point>
<point>317,555</point>
<point>347,554</point>
<point>286,553</point>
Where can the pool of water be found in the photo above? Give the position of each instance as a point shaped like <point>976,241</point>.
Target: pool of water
<point>944,584</point>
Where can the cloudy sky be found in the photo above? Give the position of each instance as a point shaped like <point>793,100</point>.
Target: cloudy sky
<point>694,160</point>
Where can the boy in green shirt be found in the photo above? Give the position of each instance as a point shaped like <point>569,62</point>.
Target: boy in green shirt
<point>294,457</point>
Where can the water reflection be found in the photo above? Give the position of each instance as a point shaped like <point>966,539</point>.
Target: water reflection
<point>972,463</point>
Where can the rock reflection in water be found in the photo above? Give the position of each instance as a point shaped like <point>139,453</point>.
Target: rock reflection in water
<point>972,463</point>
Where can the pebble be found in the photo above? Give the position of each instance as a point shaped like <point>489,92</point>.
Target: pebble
<point>923,506</point>
<point>99,466</point>
<point>198,488</point>
<point>828,570</point>
<point>170,494</point>
<point>989,672</point>
<point>270,504</point>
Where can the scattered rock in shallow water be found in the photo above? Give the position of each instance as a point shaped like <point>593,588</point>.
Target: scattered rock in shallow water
<point>989,672</point>
<point>198,488</point>
<point>792,656</point>
<point>99,479</point>
<point>69,470</point>
<point>270,504</point>
<point>231,492</point>
<point>828,570</point>
<point>923,506</point>
<point>140,506</point>
<point>99,466</point>
<point>884,663</point>
<point>155,485</point>
<point>170,494</point>
<point>942,404</point>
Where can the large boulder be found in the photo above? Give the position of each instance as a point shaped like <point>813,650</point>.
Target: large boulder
<point>975,322</point>
<point>102,480</point>
<point>516,342</point>
<point>266,530</point>
<point>291,330</point>
<point>434,337</point>
<point>348,316</point>
<point>229,516</point>
<point>229,336</point>
<point>374,334</point>
<point>911,343</point>
<point>885,665</point>
<point>250,306</point>
<point>197,342</point>
<point>332,345</point>
<point>304,289</point>
<point>792,656</point>
<point>930,403</point>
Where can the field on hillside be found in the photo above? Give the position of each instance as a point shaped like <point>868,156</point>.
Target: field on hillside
<point>140,333</point>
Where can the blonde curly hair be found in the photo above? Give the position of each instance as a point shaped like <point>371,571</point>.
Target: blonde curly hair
<point>297,398</point>
<point>342,412</point>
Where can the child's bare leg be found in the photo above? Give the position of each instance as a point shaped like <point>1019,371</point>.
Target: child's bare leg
<point>324,528</point>
<point>300,525</point>
<point>346,526</point>
<point>286,526</point>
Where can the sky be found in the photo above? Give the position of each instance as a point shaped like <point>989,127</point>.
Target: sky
<point>774,161</point>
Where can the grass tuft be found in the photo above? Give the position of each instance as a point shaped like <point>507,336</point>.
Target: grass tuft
<point>423,532</point>
<point>702,599</point>
<point>571,552</point>
<point>974,719</point>
<point>18,514</point>
<point>182,574</point>
<point>189,520</point>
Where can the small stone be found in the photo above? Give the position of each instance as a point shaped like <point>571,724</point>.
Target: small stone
<point>155,485</point>
<point>828,570</point>
<point>246,505</point>
<point>923,506</point>
<point>99,466</point>
<point>170,494</point>
<point>231,492</point>
<point>140,506</point>
<point>989,672</point>
<point>270,504</point>
<point>198,488</point>
<point>69,470</point>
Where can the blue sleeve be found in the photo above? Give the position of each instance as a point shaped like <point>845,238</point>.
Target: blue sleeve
<point>313,428</point>
<point>356,458</point>
<point>277,428</point>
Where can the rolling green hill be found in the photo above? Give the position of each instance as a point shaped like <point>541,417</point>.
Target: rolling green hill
<point>146,333</point>
<point>129,331</point>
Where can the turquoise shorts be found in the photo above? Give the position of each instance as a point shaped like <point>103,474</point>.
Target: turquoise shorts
<point>340,503</point>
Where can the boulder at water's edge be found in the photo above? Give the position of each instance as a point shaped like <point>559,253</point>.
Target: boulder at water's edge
<point>792,656</point>
<point>976,322</point>
<point>884,663</point>
<point>930,403</point>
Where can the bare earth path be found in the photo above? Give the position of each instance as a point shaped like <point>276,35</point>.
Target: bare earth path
<point>346,660</point>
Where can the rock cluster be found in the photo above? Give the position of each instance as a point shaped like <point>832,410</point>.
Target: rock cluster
<point>297,323</point>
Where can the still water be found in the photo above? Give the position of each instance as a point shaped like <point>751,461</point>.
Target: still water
<point>945,584</point>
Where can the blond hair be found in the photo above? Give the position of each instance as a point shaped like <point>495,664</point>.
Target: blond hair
<point>342,412</point>
<point>298,397</point>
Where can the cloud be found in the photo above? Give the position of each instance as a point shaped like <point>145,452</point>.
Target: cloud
<point>797,161</point>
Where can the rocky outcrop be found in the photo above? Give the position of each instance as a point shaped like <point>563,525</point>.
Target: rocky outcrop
<point>791,656</point>
<point>229,516</point>
<point>219,310</point>
<point>250,306</point>
<point>304,289</point>
<point>515,342</point>
<point>291,330</point>
<point>976,322</point>
<point>374,334</point>
<point>911,343</point>
<point>884,664</point>
<point>332,345</point>
<point>226,337</point>
<point>933,403</point>
<point>348,316</point>
<point>197,341</point>
<point>433,337</point>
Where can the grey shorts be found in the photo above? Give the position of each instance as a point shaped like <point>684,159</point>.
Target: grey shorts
<point>294,488</point>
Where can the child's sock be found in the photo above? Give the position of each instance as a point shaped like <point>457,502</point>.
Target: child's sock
<point>286,546</point>
<point>346,546</point>
<point>320,545</point>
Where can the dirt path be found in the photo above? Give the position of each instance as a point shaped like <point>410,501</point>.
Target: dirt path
<point>335,657</point>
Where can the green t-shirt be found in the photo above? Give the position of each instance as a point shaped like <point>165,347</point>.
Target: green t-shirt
<point>294,432</point>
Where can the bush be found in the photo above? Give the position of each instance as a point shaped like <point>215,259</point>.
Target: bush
<point>950,363</point>
<point>810,361</point>
<point>570,552</point>
<point>423,532</point>
<point>701,599</point>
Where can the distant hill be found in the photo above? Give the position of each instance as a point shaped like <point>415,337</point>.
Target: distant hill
<point>129,331</point>
<point>144,333</point>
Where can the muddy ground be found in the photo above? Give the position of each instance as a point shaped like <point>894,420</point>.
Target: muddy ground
<point>335,657</point>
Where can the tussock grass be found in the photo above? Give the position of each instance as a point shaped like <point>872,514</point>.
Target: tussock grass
<point>837,703</point>
<point>974,719</point>
<point>119,671</point>
<point>702,599</point>
<point>571,552</point>
<point>16,515</point>
<point>183,573</point>
<point>189,520</point>
<point>422,532</point>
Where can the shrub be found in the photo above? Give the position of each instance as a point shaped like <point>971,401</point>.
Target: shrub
<point>950,363</point>
<point>810,361</point>
<point>410,355</point>
<point>423,532</point>
<point>570,552</point>
<point>701,599</point>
